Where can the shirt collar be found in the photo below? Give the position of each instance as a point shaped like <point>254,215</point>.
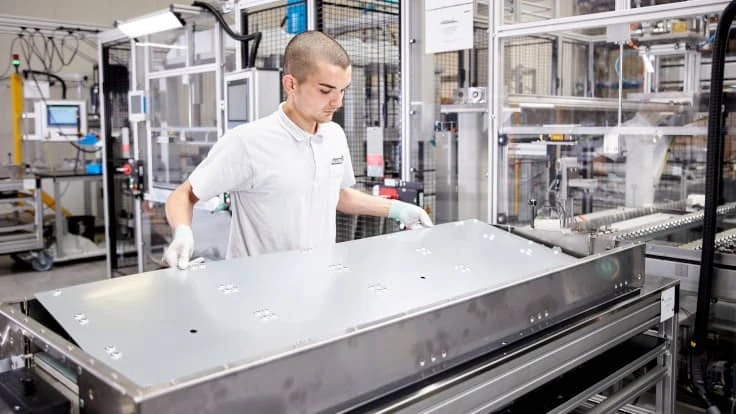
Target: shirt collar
<point>297,133</point>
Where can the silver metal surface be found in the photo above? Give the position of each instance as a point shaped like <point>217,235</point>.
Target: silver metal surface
<point>243,310</point>
<point>607,382</point>
<point>678,223</point>
<point>314,331</point>
<point>491,386</point>
<point>630,391</point>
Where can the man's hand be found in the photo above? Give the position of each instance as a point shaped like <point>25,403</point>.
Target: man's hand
<point>181,248</point>
<point>411,216</point>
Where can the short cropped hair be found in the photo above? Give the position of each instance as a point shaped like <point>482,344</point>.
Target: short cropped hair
<point>305,49</point>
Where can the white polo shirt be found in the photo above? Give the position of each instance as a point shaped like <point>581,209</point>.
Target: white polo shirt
<point>284,183</point>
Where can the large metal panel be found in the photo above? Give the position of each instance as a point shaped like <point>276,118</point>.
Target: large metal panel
<point>188,321</point>
<point>312,330</point>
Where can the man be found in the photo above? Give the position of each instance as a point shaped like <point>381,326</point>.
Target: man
<point>288,172</point>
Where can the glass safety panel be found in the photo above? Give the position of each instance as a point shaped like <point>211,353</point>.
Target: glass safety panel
<point>593,129</point>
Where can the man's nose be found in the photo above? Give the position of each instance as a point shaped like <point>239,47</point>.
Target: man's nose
<point>336,99</point>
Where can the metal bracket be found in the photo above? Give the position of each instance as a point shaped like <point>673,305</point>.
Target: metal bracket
<point>11,340</point>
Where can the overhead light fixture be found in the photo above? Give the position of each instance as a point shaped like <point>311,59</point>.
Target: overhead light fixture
<point>160,45</point>
<point>156,22</point>
<point>536,105</point>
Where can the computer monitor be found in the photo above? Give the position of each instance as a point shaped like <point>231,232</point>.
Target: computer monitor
<point>63,115</point>
<point>59,120</point>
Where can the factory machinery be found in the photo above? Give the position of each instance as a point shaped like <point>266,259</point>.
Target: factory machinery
<point>462,317</point>
<point>645,156</point>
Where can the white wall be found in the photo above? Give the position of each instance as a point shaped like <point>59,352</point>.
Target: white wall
<point>98,12</point>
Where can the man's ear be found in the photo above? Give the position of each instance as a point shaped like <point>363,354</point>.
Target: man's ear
<point>289,83</point>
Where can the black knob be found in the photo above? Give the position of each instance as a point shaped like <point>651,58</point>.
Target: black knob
<point>29,385</point>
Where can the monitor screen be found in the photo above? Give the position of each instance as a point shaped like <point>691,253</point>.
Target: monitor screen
<point>62,115</point>
<point>237,101</point>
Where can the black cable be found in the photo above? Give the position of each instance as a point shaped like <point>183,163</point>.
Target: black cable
<point>79,148</point>
<point>713,186</point>
<point>245,38</point>
<point>26,72</point>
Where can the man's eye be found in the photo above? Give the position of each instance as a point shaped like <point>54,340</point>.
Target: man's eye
<point>326,92</point>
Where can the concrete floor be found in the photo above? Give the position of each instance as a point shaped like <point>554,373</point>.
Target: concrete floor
<point>18,282</point>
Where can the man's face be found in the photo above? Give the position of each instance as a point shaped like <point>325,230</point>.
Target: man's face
<point>321,93</point>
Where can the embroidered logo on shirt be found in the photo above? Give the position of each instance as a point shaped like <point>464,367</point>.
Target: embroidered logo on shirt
<point>338,160</point>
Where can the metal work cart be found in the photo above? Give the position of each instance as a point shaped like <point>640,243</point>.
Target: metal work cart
<point>21,220</point>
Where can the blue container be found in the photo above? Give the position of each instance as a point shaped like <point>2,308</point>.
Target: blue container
<point>296,16</point>
<point>94,168</point>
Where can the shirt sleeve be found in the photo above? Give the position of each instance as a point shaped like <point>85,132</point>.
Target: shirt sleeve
<point>348,178</point>
<point>227,167</point>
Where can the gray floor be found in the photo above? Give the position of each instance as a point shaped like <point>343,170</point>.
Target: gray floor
<point>18,282</point>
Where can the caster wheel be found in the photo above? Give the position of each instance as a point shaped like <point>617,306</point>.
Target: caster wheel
<point>42,262</point>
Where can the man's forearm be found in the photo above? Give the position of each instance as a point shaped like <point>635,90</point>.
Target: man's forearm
<point>179,206</point>
<point>358,203</point>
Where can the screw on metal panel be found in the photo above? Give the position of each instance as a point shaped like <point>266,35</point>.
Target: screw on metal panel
<point>444,354</point>
<point>81,318</point>
<point>424,251</point>
<point>462,268</point>
<point>265,315</point>
<point>421,363</point>
<point>546,314</point>
<point>539,316</point>
<point>531,319</point>
<point>489,236</point>
<point>434,358</point>
<point>338,267</point>
<point>228,288</point>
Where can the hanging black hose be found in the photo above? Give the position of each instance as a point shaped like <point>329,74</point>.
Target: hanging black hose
<point>255,37</point>
<point>713,177</point>
<point>26,72</point>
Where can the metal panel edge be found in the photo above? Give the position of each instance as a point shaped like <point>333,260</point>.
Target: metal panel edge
<point>101,390</point>
<point>352,367</point>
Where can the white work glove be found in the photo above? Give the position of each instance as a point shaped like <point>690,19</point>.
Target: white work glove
<point>181,248</point>
<point>410,215</point>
